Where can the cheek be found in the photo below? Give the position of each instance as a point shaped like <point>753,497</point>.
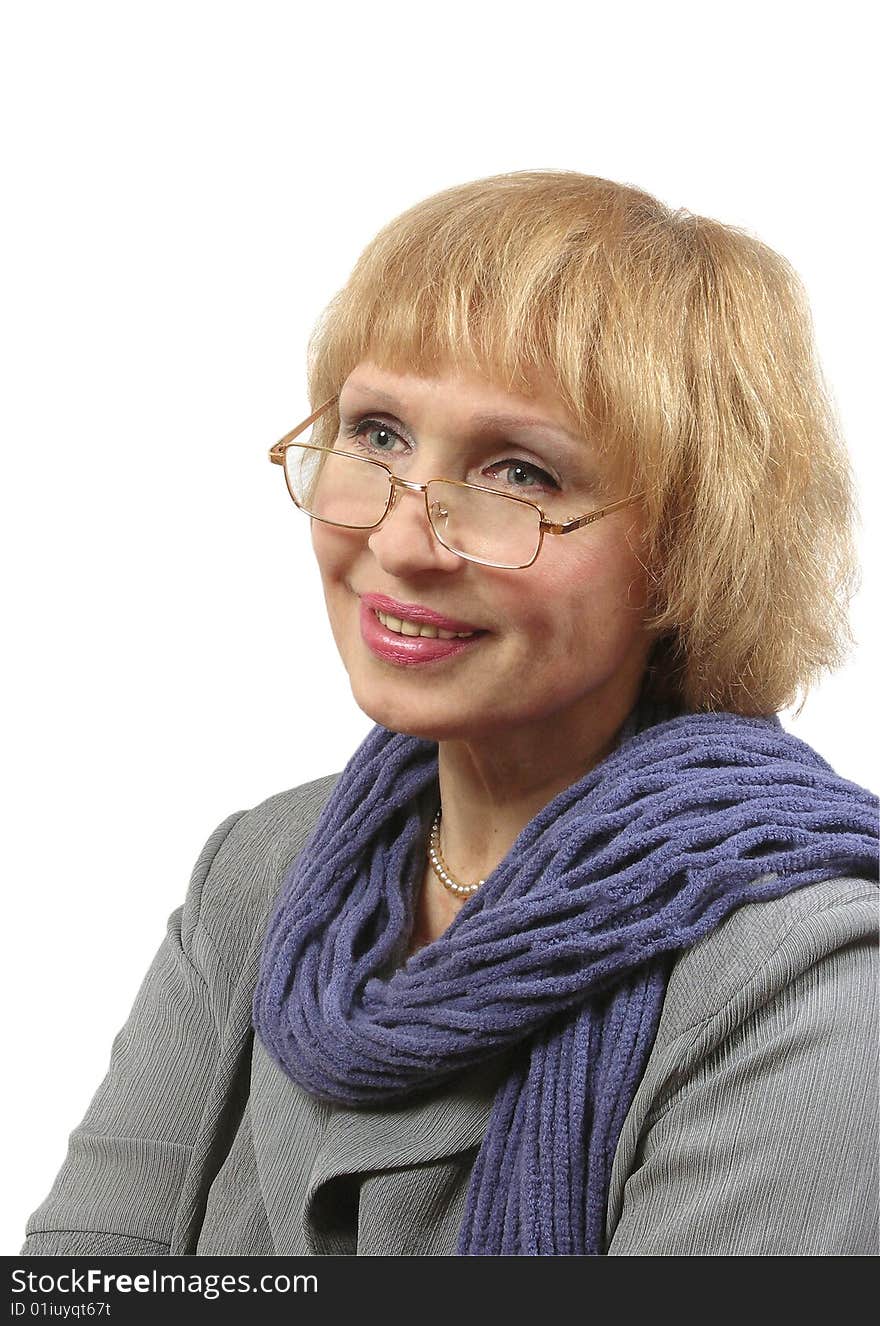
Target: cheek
<point>594,597</point>
<point>334,549</point>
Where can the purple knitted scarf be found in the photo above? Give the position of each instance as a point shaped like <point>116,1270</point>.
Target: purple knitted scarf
<point>561,958</point>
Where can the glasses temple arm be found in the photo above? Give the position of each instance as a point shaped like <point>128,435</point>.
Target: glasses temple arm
<point>276,452</point>
<point>578,522</point>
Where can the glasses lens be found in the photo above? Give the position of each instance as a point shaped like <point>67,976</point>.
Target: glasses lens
<point>490,527</point>
<point>338,488</point>
<point>345,490</point>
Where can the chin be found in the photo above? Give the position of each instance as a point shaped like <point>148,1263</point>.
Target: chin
<point>413,720</point>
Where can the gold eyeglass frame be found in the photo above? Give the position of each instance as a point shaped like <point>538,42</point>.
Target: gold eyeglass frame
<point>276,456</point>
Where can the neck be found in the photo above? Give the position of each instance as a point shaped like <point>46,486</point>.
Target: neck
<point>490,792</point>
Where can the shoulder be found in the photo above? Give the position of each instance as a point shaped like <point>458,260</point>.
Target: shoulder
<point>241,868</point>
<point>753,1130</point>
<point>764,947</point>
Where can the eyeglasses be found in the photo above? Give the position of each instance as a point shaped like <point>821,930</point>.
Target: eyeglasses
<point>475,522</point>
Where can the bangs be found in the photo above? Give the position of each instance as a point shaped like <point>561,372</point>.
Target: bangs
<point>528,297</point>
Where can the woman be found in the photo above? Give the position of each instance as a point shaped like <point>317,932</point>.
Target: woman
<point>576,955</point>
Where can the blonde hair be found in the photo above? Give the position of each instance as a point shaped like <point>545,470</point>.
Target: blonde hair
<point>684,349</point>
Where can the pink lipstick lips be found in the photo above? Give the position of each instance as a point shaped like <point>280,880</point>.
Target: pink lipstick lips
<point>409,650</point>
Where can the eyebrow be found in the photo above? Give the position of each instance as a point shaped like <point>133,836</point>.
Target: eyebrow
<point>489,419</point>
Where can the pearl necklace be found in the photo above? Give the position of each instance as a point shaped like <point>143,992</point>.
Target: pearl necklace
<point>446,879</point>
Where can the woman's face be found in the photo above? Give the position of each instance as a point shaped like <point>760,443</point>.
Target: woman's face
<point>562,643</point>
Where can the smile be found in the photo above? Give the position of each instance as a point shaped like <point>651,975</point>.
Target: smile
<point>410,644</point>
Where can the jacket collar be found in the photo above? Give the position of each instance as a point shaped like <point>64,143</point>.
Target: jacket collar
<point>303,1144</point>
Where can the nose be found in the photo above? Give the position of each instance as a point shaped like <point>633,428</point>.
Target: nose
<point>405,542</point>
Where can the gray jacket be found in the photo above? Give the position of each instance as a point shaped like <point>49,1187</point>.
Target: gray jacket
<point>752,1133</point>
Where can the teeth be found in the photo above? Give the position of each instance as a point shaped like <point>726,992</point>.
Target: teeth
<point>412,628</point>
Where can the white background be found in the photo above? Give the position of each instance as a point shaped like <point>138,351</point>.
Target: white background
<point>186,185</point>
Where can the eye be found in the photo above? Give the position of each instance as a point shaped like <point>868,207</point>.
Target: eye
<point>518,473</point>
<point>366,428</point>
<point>513,473</point>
